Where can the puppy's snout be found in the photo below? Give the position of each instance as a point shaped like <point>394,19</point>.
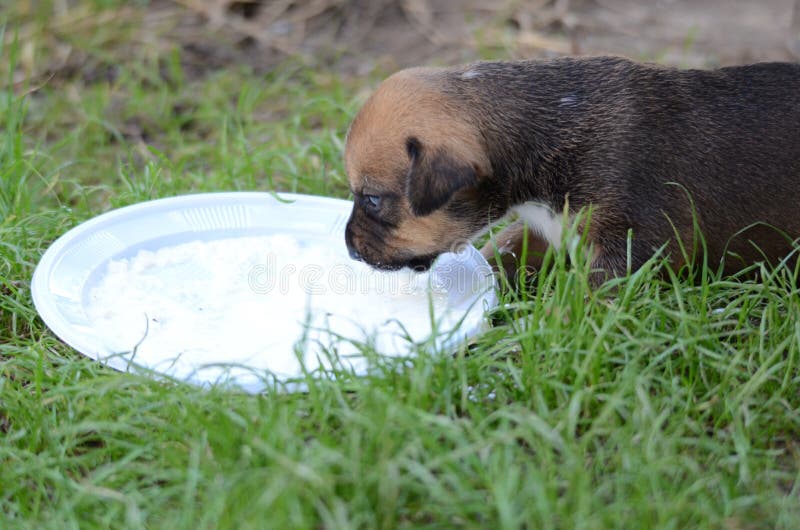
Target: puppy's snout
<point>348,240</point>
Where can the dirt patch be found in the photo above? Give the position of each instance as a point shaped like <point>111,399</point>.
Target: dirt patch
<point>686,32</point>
<point>357,36</point>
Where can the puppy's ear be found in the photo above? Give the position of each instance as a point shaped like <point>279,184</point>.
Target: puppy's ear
<point>434,177</point>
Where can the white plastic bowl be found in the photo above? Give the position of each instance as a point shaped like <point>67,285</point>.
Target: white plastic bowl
<point>77,261</point>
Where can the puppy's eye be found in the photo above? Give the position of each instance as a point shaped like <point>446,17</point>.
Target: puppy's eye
<point>372,201</point>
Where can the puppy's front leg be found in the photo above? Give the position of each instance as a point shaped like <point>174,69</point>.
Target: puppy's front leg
<point>508,244</point>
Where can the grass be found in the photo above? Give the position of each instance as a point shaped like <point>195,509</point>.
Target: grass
<point>650,404</point>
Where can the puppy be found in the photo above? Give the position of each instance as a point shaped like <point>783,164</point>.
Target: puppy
<point>436,156</point>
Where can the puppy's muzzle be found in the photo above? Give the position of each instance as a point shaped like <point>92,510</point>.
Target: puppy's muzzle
<point>348,240</point>
<point>387,263</point>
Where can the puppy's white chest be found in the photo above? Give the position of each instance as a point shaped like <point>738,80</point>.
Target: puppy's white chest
<point>542,220</point>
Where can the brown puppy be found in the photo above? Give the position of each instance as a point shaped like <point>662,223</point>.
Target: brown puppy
<point>435,156</point>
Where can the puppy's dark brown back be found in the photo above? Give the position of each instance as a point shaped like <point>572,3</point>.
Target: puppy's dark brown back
<point>642,143</point>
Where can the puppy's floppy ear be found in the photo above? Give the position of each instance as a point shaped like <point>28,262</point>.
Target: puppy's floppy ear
<point>434,177</point>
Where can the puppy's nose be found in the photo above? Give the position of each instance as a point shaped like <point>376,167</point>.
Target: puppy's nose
<point>353,253</point>
<point>348,239</point>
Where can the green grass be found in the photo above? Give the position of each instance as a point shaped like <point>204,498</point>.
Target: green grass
<point>650,404</point>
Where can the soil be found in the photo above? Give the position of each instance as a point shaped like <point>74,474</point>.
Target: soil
<point>357,36</point>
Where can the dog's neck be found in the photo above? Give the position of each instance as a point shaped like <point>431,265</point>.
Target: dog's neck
<point>557,118</point>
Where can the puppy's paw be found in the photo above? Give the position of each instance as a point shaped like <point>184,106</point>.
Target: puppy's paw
<point>505,250</point>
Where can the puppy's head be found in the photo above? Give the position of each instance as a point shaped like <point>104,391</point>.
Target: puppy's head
<point>415,164</point>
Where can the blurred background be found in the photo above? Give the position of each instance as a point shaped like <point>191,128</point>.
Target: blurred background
<point>92,39</point>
